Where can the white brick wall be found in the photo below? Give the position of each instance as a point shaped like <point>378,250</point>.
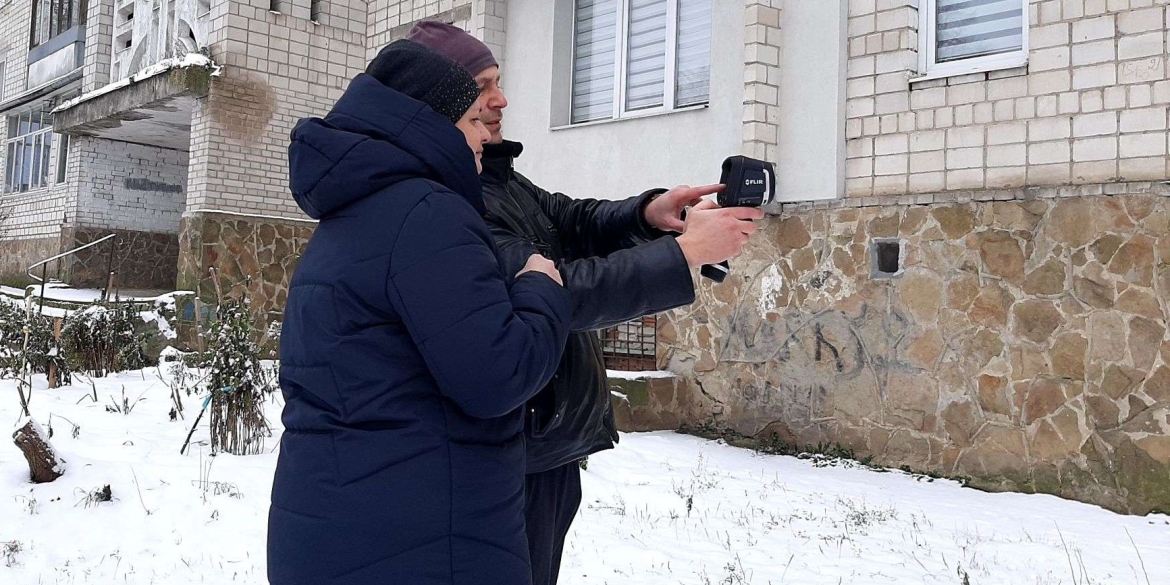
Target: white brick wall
<point>96,192</point>
<point>99,31</point>
<point>385,17</point>
<point>37,214</point>
<point>14,41</point>
<point>278,68</point>
<point>761,115</point>
<point>1090,107</point>
<point>128,186</point>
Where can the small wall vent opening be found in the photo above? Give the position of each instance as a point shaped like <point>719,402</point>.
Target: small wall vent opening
<point>886,255</point>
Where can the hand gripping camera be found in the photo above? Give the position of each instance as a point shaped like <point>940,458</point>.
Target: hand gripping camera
<point>749,183</point>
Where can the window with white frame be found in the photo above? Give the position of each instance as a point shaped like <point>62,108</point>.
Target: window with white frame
<point>635,57</point>
<point>27,150</point>
<point>969,36</point>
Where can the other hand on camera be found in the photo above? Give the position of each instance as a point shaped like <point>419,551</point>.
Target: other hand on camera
<point>713,234</point>
<point>538,263</point>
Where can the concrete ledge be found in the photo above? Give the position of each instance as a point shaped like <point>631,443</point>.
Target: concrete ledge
<point>155,110</point>
<point>1159,188</point>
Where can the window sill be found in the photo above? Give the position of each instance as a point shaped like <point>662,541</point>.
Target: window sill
<point>629,117</point>
<point>29,193</point>
<point>956,70</point>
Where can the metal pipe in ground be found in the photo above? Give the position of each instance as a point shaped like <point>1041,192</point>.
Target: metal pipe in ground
<point>110,270</point>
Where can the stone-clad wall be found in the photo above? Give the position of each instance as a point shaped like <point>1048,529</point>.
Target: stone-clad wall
<point>256,255</point>
<point>1023,345</point>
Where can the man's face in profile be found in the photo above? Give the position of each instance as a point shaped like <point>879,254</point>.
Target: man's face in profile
<point>494,102</point>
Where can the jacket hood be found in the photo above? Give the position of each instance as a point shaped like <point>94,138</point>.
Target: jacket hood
<point>374,138</point>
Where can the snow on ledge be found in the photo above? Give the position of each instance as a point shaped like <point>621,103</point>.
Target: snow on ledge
<point>620,375</point>
<point>188,60</point>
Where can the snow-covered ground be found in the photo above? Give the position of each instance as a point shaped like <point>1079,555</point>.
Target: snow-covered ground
<point>56,291</point>
<point>661,509</point>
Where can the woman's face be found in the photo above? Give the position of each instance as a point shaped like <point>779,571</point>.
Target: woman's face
<point>475,132</point>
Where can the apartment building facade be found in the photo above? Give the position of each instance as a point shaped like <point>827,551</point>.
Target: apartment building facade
<point>965,275</point>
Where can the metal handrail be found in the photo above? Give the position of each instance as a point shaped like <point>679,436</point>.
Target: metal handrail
<point>44,264</point>
<point>64,254</point>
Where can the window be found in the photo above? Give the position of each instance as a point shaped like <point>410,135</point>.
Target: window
<point>27,150</point>
<point>315,10</point>
<point>630,346</point>
<point>53,17</point>
<point>62,157</point>
<point>968,36</point>
<point>3,63</point>
<point>639,56</point>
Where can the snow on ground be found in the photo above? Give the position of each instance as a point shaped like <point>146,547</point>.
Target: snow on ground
<point>661,509</point>
<point>55,291</point>
<point>623,375</point>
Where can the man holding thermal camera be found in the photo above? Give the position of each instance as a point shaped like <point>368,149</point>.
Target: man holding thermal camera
<point>620,260</point>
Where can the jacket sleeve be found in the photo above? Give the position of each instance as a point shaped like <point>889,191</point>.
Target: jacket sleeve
<point>625,285</point>
<point>490,348</point>
<point>592,227</point>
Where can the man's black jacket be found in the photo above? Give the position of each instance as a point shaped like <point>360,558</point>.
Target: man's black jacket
<point>616,268</point>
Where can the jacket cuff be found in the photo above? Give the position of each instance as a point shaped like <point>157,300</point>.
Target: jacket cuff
<point>674,284</point>
<point>644,229</point>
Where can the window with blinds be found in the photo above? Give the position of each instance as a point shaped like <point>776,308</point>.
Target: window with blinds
<point>646,54</point>
<point>693,68</point>
<point>973,28</point>
<point>594,55</point>
<point>632,56</point>
<point>958,37</point>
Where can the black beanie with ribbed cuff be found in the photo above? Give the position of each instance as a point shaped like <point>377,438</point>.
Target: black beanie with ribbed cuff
<point>418,72</point>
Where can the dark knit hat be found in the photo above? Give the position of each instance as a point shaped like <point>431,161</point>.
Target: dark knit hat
<point>455,44</point>
<point>426,76</point>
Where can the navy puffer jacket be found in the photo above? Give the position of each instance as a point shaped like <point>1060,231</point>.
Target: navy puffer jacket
<point>405,355</point>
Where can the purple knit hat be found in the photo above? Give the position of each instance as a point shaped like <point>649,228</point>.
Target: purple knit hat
<point>455,44</point>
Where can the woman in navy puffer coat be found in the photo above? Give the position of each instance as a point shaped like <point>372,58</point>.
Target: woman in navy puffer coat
<point>405,352</point>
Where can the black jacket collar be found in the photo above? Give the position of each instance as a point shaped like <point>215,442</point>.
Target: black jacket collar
<point>498,160</point>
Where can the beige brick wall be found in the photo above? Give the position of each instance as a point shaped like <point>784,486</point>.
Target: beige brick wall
<point>1090,107</point>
